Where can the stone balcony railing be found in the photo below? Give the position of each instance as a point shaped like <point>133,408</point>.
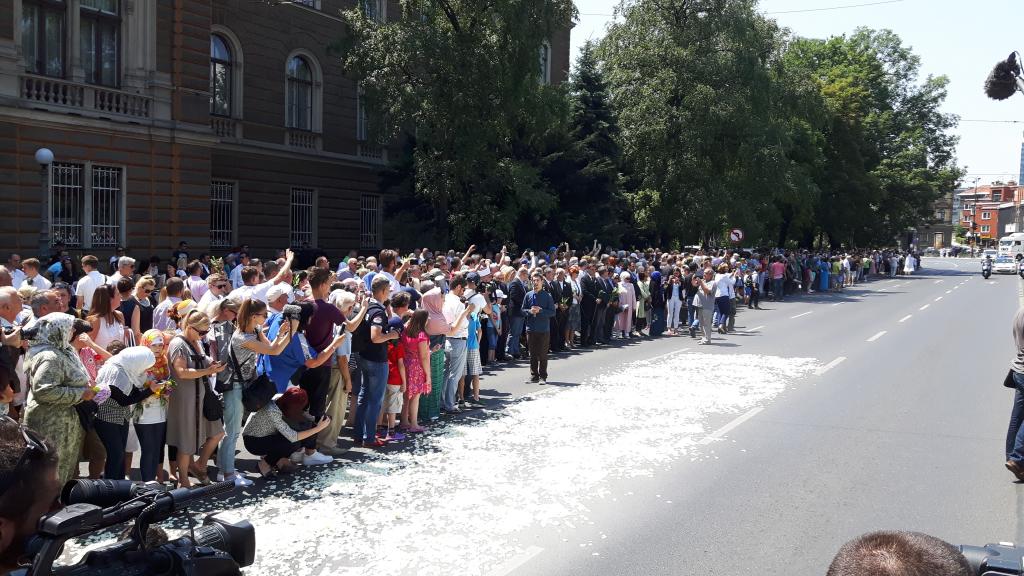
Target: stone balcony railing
<point>303,139</point>
<point>73,96</point>
<point>371,151</point>
<point>224,127</point>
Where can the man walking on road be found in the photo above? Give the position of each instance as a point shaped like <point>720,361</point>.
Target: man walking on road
<point>539,308</point>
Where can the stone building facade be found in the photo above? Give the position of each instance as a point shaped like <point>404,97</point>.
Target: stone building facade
<point>217,122</point>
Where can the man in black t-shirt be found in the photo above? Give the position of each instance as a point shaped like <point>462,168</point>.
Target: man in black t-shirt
<point>370,342</point>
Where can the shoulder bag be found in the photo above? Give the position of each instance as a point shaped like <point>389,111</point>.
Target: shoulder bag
<point>212,409</point>
<point>257,392</point>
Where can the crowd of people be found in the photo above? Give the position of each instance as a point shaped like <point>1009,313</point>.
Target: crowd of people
<point>182,360</point>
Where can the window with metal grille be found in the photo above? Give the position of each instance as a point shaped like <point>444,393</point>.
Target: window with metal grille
<point>67,204</point>
<point>303,230</point>
<point>222,214</point>
<point>370,222</point>
<point>86,205</point>
<point>106,206</point>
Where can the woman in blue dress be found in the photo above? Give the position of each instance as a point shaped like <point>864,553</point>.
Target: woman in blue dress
<point>823,273</point>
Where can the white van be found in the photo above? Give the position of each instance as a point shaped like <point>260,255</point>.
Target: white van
<point>1012,245</point>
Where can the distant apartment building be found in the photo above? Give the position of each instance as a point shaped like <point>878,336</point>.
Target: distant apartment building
<point>980,208</point>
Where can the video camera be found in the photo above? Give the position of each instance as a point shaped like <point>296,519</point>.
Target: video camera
<point>1003,559</point>
<point>219,547</point>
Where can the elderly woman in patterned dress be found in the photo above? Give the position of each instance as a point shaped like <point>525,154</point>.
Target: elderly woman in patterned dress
<point>58,381</point>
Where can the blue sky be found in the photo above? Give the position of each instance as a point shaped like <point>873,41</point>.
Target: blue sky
<point>962,40</point>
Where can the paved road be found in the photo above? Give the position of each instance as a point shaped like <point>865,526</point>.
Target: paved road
<point>905,432</point>
<point>822,418</point>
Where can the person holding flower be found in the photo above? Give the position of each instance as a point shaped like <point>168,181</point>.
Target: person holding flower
<point>58,381</point>
<point>125,375</point>
<point>151,413</point>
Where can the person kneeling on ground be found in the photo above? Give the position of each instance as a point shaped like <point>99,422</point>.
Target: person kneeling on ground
<point>892,553</point>
<point>267,433</point>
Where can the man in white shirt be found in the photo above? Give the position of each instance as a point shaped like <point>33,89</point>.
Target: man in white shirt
<point>455,345</point>
<point>217,287</point>
<point>125,269</point>
<point>250,288</point>
<point>32,277</point>
<point>236,273</point>
<point>88,284</point>
<point>389,269</point>
<point>161,321</point>
<point>195,282</point>
<point>14,267</point>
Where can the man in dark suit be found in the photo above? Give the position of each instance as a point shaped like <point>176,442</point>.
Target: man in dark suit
<point>553,288</point>
<point>603,293</point>
<point>588,302</point>
<point>609,317</point>
<point>563,304</point>
<point>516,293</point>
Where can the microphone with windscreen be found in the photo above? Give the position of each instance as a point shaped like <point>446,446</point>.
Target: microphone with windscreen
<point>1003,81</point>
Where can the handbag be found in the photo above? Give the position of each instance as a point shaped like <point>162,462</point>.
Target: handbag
<point>1008,380</point>
<point>256,393</point>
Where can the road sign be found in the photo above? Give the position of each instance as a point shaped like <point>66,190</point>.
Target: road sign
<point>735,235</point>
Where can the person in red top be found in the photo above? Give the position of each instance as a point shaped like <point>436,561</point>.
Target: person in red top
<point>396,381</point>
<point>778,275</point>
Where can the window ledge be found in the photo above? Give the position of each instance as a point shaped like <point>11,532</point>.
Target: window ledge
<point>304,139</point>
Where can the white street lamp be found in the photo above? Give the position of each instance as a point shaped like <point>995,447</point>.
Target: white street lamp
<point>44,156</point>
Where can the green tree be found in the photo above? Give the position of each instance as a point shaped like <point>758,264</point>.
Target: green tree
<point>584,169</point>
<point>462,76</point>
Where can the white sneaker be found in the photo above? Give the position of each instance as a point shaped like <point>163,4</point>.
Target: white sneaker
<point>297,456</point>
<point>242,481</point>
<point>220,477</point>
<point>316,458</point>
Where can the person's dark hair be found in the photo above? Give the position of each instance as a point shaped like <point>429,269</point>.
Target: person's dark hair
<point>175,286</point>
<point>318,277</point>
<point>417,323</point>
<point>387,258</point>
<point>195,268</point>
<point>897,553</point>
<point>250,273</point>
<point>103,303</point>
<point>116,347</point>
<point>379,283</point>
<point>400,300</point>
<point>154,260</point>
<point>40,300</point>
<point>22,492</point>
<point>456,281</point>
<point>125,285</point>
<point>250,307</point>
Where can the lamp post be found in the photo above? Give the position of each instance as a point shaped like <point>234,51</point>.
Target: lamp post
<point>44,157</point>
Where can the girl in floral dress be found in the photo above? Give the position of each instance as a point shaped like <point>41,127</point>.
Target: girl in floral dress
<point>151,415</point>
<point>417,368</point>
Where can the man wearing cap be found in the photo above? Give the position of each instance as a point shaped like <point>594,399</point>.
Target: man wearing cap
<point>539,309</point>
<point>277,299</point>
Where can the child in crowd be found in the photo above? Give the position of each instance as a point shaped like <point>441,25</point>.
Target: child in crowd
<point>396,381</point>
<point>473,367</point>
<point>494,326</point>
<point>417,368</point>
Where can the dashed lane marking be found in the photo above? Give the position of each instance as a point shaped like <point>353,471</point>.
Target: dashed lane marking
<point>717,434</point>
<point>830,365</point>
<point>905,318</point>
<point>513,563</point>
<point>755,328</point>
<point>939,298</point>
<point>877,336</point>
<point>923,307</point>
<point>804,314</point>
<point>938,281</point>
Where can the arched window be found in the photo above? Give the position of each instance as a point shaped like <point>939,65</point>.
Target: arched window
<point>221,76</point>
<point>300,94</point>
<point>545,63</point>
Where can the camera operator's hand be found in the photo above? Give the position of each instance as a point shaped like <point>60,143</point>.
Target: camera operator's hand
<point>13,339</point>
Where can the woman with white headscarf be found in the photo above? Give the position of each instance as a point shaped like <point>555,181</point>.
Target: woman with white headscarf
<point>125,375</point>
<point>627,305</point>
<point>57,382</point>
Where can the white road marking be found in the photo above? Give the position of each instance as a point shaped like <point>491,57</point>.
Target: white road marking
<point>883,289</point>
<point>938,281</point>
<point>939,298</point>
<point>717,434</point>
<point>923,307</point>
<point>905,318</point>
<point>667,354</point>
<point>755,329</point>
<point>949,291</point>
<point>877,336</point>
<point>513,563</point>
<point>830,365</point>
<point>804,314</point>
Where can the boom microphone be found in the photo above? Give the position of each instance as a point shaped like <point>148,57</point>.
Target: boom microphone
<point>1002,81</point>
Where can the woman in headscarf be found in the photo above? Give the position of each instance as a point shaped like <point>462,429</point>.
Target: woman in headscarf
<point>657,305</point>
<point>125,375</point>
<point>627,305</point>
<point>58,380</point>
<point>151,414</point>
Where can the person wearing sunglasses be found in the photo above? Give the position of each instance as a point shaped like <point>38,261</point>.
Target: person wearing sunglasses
<point>29,488</point>
<point>187,429</point>
<point>217,288</point>
<point>142,307</point>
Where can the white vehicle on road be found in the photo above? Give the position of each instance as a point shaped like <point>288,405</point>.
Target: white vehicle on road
<point>1004,265</point>
<point>1012,245</point>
